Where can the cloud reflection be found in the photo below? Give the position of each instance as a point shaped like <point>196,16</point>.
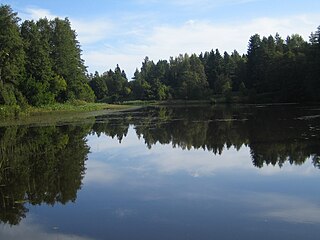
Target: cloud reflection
<point>198,163</point>
<point>30,231</point>
<point>100,172</point>
<point>108,154</point>
<point>111,160</point>
<point>285,208</point>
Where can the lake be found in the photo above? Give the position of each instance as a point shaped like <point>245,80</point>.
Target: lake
<point>176,172</point>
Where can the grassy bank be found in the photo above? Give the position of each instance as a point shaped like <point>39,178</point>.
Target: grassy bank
<point>55,113</point>
<point>214,99</point>
<point>75,107</point>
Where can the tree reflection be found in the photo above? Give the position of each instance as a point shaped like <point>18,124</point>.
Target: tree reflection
<point>275,134</point>
<point>40,165</point>
<point>47,164</point>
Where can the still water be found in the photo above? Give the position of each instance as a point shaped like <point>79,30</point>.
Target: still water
<point>196,172</point>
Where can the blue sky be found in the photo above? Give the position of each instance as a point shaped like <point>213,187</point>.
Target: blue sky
<point>124,32</point>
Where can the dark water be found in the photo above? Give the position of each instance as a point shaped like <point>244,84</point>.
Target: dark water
<point>245,172</point>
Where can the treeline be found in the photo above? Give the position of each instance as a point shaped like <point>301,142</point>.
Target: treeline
<point>273,69</point>
<point>40,62</point>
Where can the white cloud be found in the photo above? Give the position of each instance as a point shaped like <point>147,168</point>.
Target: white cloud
<point>194,36</point>
<point>131,38</point>
<point>36,13</point>
<point>89,31</point>
<point>196,3</point>
<point>104,59</point>
<point>209,3</point>
<point>92,31</point>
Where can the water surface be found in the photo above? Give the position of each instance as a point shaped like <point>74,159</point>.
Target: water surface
<point>196,172</point>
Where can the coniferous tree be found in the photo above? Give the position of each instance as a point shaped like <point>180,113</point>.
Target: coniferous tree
<point>11,56</point>
<point>253,65</point>
<point>67,62</point>
<point>58,84</point>
<point>41,62</point>
<point>99,86</point>
<point>39,73</point>
<point>312,83</point>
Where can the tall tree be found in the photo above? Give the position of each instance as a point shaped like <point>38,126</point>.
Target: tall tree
<point>67,62</point>
<point>213,65</point>
<point>11,56</point>
<point>253,65</point>
<point>141,89</point>
<point>99,86</point>
<point>313,77</point>
<point>39,73</point>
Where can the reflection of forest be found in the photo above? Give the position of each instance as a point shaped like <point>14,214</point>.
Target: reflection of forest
<point>39,165</point>
<point>275,134</point>
<point>46,164</point>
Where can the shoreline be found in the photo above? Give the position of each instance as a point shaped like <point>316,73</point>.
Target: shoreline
<point>59,114</point>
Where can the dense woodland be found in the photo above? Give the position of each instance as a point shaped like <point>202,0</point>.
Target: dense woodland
<point>273,69</point>
<point>40,63</point>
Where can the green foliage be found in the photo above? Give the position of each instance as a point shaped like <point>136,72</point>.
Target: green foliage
<point>37,92</point>
<point>67,62</point>
<point>40,62</point>
<point>39,75</point>
<point>273,70</point>
<point>112,86</point>
<point>9,111</point>
<point>73,106</point>
<point>242,89</point>
<point>223,84</point>
<point>11,47</point>
<point>58,85</point>
<point>183,77</point>
<point>7,94</point>
<point>99,86</point>
<point>312,80</point>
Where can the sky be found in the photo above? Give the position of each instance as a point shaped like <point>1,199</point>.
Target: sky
<point>124,32</point>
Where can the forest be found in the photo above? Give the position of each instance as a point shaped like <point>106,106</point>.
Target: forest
<point>41,64</point>
<point>273,70</point>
